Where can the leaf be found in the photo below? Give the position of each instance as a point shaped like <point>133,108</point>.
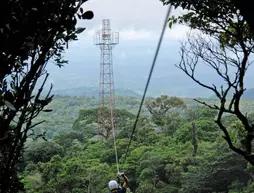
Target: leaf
<point>81,10</point>
<point>88,15</point>
<point>34,9</point>
<point>9,105</point>
<point>80,30</point>
<point>47,110</point>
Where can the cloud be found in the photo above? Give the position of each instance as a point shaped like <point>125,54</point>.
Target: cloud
<point>135,20</point>
<point>123,55</point>
<point>125,34</point>
<point>131,34</point>
<point>178,32</point>
<point>131,13</point>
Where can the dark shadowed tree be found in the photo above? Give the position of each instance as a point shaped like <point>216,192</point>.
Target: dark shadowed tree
<point>217,175</point>
<point>31,33</point>
<point>215,7</point>
<point>226,48</point>
<point>245,7</point>
<point>42,151</point>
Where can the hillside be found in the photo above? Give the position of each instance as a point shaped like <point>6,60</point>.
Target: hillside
<point>65,110</point>
<point>249,94</point>
<point>91,92</point>
<point>181,151</point>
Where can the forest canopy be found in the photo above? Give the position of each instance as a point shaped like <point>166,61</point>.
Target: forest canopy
<point>185,155</point>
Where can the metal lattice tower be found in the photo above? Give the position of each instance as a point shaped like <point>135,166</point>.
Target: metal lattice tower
<point>106,40</point>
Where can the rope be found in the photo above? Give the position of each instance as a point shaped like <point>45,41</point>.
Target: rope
<point>114,139</point>
<point>112,103</point>
<point>148,80</point>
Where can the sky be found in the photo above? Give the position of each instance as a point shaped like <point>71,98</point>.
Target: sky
<point>139,23</point>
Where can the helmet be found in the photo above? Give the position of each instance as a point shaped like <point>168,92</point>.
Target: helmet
<point>113,185</point>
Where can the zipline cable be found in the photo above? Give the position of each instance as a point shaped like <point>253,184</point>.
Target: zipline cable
<point>149,79</point>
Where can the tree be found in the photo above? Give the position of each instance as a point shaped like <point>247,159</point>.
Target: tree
<point>31,33</point>
<point>194,140</point>
<point>65,139</point>
<point>216,175</point>
<point>199,126</point>
<point>88,117</point>
<point>161,106</point>
<point>227,50</point>
<point>159,170</point>
<point>245,8</point>
<point>42,151</point>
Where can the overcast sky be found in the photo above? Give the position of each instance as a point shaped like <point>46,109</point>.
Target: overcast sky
<point>139,23</point>
<point>134,19</point>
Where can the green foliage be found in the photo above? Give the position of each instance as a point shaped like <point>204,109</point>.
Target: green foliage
<point>161,105</point>
<point>206,130</point>
<point>165,112</point>
<point>88,122</point>
<point>42,151</point>
<point>31,34</point>
<point>212,17</point>
<point>146,188</point>
<point>226,47</point>
<point>216,176</point>
<point>157,162</point>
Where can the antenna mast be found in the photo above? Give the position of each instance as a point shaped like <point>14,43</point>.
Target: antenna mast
<point>106,40</point>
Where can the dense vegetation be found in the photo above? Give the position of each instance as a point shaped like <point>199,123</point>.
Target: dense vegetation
<point>31,34</point>
<point>223,41</point>
<point>180,150</point>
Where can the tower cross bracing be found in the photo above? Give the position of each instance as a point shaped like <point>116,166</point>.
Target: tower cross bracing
<point>106,40</point>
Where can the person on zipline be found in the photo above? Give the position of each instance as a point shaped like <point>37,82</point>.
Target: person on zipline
<point>114,187</point>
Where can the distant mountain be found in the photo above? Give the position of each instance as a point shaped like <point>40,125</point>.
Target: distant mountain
<point>91,92</point>
<point>79,91</point>
<point>249,94</point>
